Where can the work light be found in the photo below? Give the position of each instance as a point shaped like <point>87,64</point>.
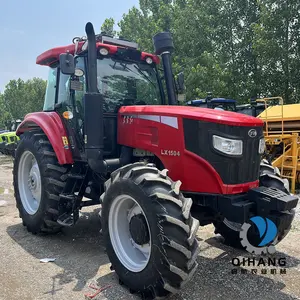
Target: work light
<point>262,145</point>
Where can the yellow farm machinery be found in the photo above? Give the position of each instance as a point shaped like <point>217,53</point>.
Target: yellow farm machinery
<point>281,131</point>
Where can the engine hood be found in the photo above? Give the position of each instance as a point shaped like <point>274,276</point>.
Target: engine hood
<point>204,114</point>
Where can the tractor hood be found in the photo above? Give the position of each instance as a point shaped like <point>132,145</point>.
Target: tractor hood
<point>204,114</point>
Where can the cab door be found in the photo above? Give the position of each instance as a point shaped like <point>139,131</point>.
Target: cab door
<point>69,104</point>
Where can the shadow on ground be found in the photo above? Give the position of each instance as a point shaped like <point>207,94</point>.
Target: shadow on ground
<point>217,242</point>
<point>214,279</point>
<point>79,251</point>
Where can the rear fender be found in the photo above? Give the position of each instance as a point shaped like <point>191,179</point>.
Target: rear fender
<point>52,126</point>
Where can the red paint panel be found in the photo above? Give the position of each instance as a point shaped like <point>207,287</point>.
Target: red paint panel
<point>199,176</point>
<point>195,173</point>
<point>52,125</point>
<point>50,56</point>
<point>241,188</point>
<point>154,137</point>
<point>203,114</point>
<point>154,57</point>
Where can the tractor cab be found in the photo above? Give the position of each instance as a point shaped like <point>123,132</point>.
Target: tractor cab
<point>123,75</point>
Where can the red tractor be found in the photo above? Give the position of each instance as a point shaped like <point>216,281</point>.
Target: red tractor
<point>109,135</point>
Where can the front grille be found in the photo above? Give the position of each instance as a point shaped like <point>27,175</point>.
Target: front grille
<point>232,170</point>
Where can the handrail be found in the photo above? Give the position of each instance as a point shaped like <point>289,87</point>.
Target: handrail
<point>265,100</point>
<point>269,99</point>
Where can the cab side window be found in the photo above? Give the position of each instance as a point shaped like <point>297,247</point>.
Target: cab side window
<point>72,88</point>
<point>50,94</point>
<point>78,88</point>
<point>81,87</point>
<point>63,95</point>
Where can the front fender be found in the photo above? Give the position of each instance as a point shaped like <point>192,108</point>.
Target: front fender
<point>53,127</point>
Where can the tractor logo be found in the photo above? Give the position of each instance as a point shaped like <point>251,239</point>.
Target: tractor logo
<point>264,241</point>
<point>252,133</point>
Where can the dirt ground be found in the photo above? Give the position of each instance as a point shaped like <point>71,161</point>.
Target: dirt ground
<point>81,261</point>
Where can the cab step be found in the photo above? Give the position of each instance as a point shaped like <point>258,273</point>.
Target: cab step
<point>76,176</point>
<point>68,219</point>
<point>69,197</point>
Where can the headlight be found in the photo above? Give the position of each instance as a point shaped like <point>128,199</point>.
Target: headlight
<point>262,145</point>
<point>228,146</point>
<point>149,60</point>
<point>103,51</point>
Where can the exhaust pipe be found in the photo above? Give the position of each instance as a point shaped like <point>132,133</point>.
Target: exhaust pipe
<point>92,58</point>
<point>94,116</point>
<point>163,44</point>
<point>93,103</point>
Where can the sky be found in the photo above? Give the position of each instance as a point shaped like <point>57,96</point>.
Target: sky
<point>28,28</point>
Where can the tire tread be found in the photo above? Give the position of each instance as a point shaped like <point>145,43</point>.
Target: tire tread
<point>51,173</point>
<point>179,254</point>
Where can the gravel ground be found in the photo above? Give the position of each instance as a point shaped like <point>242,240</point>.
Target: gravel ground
<point>81,261</point>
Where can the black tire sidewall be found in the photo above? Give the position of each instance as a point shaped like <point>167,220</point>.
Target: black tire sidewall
<point>35,221</point>
<point>148,276</point>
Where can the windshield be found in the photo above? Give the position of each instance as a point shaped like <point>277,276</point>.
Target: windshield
<point>127,83</point>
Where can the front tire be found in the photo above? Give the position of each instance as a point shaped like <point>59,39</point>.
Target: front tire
<point>270,177</point>
<point>38,180</point>
<point>149,232</point>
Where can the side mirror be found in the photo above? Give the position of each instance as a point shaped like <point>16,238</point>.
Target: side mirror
<point>180,82</point>
<point>67,63</point>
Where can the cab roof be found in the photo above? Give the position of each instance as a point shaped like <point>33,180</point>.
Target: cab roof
<point>51,56</point>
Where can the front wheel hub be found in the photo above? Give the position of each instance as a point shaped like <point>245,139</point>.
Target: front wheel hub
<point>139,230</point>
<point>130,233</point>
<point>29,182</point>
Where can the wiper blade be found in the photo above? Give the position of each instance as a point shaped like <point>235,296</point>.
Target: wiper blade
<point>145,76</point>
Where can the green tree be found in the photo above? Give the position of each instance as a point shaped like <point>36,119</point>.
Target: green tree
<point>277,44</point>
<point>22,97</point>
<point>108,26</point>
<point>192,29</point>
<point>4,113</point>
<point>238,48</point>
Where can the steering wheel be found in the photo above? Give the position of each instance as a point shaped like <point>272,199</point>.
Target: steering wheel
<point>128,101</point>
<point>132,101</point>
<point>141,103</point>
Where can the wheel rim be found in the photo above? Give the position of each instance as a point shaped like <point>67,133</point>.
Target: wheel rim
<point>132,255</point>
<point>29,183</point>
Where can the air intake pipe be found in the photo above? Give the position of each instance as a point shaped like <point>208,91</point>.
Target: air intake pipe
<point>163,44</point>
<point>93,116</point>
<point>93,103</point>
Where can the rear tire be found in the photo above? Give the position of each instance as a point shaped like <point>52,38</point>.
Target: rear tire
<point>269,177</point>
<point>38,204</point>
<point>169,231</point>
